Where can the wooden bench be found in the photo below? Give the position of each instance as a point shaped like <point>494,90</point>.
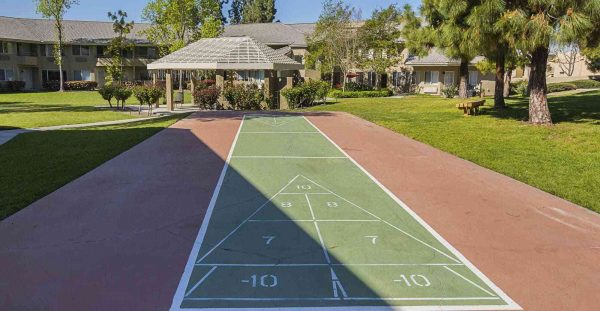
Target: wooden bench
<point>471,108</point>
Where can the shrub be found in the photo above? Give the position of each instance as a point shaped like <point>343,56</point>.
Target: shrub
<point>353,87</point>
<point>586,84</point>
<point>70,85</point>
<point>15,86</point>
<point>122,94</point>
<point>559,87</point>
<point>450,91</point>
<point>519,88</point>
<point>80,85</point>
<point>208,97</point>
<point>306,94</point>
<point>107,92</point>
<point>361,94</point>
<point>147,95</point>
<point>244,96</point>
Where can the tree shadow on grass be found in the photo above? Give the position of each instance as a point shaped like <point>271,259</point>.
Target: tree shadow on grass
<point>578,108</point>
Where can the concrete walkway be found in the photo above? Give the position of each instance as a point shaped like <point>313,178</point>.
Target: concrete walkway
<point>7,135</point>
<point>118,238</point>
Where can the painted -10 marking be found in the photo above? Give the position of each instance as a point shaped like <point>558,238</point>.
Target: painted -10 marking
<point>414,279</point>
<point>266,280</point>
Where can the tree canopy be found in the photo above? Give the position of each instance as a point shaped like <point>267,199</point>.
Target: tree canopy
<point>56,9</point>
<point>174,23</point>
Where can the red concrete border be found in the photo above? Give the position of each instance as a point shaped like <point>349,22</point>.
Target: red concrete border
<point>119,237</point>
<point>543,251</point>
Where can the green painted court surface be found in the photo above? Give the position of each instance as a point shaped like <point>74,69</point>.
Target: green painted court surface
<point>294,222</point>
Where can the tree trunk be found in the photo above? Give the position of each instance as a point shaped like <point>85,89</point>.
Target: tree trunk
<point>507,80</point>
<point>538,101</point>
<point>464,79</point>
<point>60,62</point>
<point>499,79</point>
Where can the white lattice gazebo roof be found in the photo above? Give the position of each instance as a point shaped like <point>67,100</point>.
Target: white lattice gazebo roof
<point>227,53</point>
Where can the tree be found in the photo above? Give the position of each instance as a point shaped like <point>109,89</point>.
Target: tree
<point>334,43</point>
<point>258,11</point>
<point>532,25</point>
<point>380,36</point>
<point>118,44</point>
<point>566,56</point>
<point>236,12</point>
<point>489,40</point>
<point>174,24</point>
<point>212,8</point>
<point>56,9</point>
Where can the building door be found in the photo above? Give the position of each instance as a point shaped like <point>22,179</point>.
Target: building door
<point>27,76</point>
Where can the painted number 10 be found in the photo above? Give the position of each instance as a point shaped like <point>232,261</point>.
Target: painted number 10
<point>267,280</point>
<point>414,279</point>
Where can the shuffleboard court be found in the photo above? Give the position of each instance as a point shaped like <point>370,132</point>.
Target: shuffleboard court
<point>296,223</point>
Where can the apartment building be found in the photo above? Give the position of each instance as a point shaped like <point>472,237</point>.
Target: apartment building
<point>26,52</point>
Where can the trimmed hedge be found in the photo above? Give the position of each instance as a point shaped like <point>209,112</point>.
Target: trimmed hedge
<point>71,85</point>
<point>305,94</point>
<point>208,97</point>
<point>560,87</point>
<point>361,94</point>
<point>586,84</point>
<point>12,86</point>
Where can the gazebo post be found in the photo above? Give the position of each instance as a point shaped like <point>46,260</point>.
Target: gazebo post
<point>193,86</point>
<point>220,83</point>
<point>169,87</point>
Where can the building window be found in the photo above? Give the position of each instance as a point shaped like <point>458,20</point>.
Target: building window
<point>82,75</point>
<point>473,78</point>
<point>80,50</point>
<point>53,75</point>
<point>449,78</point>
<point>254,76</point>
<point>6,75</point>
<point>4,47</point>
<point>101,50</point>
<point>432,77</point>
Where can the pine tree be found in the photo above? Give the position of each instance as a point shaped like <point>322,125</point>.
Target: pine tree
<point>258,11</point>
<point>447,29</point>
<point>532,25</point>
<point>236,12</point>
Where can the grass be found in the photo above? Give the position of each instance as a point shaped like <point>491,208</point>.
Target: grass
<point>35,164</point>
<point>563,159</point>
<point>29,110</point>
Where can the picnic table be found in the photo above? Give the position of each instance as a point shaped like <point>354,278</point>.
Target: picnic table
<point>470,107</point>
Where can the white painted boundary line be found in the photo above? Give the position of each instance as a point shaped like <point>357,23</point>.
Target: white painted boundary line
<point>285,157</point>
<point>201,280</point>
<point>187,273</point>
<point>280,133</point>
<point>471,282</point>
<point>349,298</point>
<point>288,265</point>
<point>512,305</point>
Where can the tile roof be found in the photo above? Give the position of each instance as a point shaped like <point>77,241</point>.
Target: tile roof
<point>273,33</point>
<point>436,57</point>
<point>226,53</point>
<point>42,30</point>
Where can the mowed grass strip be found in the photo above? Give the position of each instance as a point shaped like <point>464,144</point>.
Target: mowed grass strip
<point>35,164</point>
<point>41,109</point>
<point>563,159</point>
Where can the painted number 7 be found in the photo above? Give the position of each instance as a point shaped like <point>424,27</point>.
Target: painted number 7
<point>269,239</point>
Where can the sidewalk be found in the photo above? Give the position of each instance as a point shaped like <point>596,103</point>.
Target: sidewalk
<point>7,135</point>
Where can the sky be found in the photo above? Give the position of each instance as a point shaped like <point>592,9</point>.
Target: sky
<point>288,11</point>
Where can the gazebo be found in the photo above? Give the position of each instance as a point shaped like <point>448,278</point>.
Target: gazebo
<point>243,55</point>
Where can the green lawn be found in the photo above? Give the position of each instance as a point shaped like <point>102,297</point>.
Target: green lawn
<point>28,110</point>
<point>35,164</point>
<point>563,159</point>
